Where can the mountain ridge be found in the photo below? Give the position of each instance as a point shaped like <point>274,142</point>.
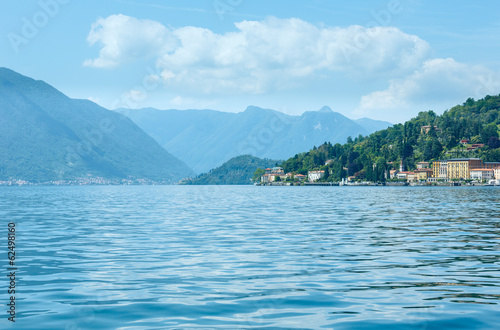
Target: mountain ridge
<point>47,136</point>
<point>205,139</point>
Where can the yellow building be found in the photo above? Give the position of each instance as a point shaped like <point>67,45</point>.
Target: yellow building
<point>440,169</point>
<point>459,168</point>
<point>435,168</point>
<point>422,174</point>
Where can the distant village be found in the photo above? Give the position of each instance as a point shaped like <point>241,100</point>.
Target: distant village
<point>89,181</point>
<point>442,172</point>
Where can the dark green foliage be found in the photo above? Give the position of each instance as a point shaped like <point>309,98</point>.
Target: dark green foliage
<point>494,142</point>
<point>426,137</point>
<point>238,170</point>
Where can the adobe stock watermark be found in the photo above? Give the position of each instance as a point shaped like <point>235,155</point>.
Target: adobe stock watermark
<point>381,18</point>
<point>85,314</point>
<point>488,86</point>
<point>31,26</point>
<point>224,6</point>
<point>132,100</point>
<point>93,138</point>
<point>256,143</point>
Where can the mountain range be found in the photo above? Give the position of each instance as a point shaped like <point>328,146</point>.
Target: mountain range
<point>205,139</point>
<point>47,136</point>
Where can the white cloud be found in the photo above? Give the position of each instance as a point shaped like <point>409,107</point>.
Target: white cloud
<point>274,54</point>
<point>123,39</point>
<point>438,83</point>
<point>260,56</point>
<point>93,99</point>
<point>135,95</point>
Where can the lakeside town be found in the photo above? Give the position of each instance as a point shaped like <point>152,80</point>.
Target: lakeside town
<point>456,171</point>
<point>87,181</point>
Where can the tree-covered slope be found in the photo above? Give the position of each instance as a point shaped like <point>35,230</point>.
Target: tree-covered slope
<point>238,170</point>
<point>46,136</point>
<point>426,137</point>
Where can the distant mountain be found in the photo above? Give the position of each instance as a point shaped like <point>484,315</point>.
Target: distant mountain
<point>47,136</point>
<point>204,139</point>
<point>237,170</point>
<point>372,125</point>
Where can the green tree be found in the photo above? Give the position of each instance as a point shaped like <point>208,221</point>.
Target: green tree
<point>327,174</point>
<point>257,175</point>
<point>488,131</point>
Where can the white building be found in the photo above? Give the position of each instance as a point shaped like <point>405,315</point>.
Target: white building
<point>421,165</point>
<point>277,170</point>
<point>497,173</point>
<point>402,175</point>
<point>482,174</point>
<point>315,175</point>
<point>443,170</point>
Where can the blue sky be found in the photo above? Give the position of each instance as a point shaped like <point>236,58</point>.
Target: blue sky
<point>380,59</point>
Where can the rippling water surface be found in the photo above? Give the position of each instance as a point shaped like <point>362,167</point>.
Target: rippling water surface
<point>180,257</point>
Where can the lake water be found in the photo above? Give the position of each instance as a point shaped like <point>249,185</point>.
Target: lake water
<point>186,257</point>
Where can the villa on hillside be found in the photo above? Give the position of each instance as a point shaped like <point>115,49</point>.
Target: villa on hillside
<point>272,173</point>
<point>421,165</point>
<point>427,129</point>
<point>314,176</point>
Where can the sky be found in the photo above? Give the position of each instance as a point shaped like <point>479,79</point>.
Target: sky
<point>385,60</point>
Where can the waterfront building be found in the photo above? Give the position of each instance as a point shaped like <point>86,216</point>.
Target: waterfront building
<point>270,174</point>
<point>491,165</point>
<point>435,168</point>
<point>411,177</point>
<point>315,175</point>
<point>481,174</point>
<point>459,168</point>
<point>278,170</point>
<point>422,174</point>
<point>300,177</point>
<point>402,175</point>
<point>440,169</point>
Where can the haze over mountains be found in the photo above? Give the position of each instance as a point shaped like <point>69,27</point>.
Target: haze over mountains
<point>204,139</point>
<point>46,136</point>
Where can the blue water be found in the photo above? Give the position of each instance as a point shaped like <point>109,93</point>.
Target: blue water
<point>185,257</point>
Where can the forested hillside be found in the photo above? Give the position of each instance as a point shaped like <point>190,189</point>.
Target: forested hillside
<point>238,170</point>
<point>424,138</point>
